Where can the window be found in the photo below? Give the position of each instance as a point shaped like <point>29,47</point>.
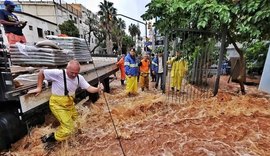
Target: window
<point>52,32</point>
<point>40,32</point>
<point>30,27</point>
<point>75,20</point>
<point>92,40</point>
<point>81,21</point>
<point>70,16</point>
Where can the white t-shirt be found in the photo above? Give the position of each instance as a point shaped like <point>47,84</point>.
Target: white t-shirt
<point>160,65</point>
<point>57,79</point>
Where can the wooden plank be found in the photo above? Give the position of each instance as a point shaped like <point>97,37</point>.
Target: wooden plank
<point>19,69</point>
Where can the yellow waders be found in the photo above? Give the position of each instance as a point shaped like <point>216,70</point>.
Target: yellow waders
<point>177,82</point>
<point>144,80</point>
<point>64,110</point>
<point>132,85</point>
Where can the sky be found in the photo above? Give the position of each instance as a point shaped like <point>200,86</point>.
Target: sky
<point>130,8</point>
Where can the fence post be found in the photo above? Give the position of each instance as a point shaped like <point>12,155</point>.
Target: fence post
<point>165,58</point>
<point>221,56</point>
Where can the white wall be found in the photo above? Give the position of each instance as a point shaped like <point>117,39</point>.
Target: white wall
<point>32,35</point>
<point>44,10</point>
<point>265,79</point>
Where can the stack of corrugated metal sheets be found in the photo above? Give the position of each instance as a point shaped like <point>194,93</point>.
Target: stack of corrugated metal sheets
<point>77,45</point>
<point>36,56</point>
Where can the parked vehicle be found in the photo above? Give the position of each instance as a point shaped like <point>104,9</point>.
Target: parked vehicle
<point>19,111</point>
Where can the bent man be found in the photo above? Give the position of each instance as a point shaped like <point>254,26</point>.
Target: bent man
<point>64,84</point>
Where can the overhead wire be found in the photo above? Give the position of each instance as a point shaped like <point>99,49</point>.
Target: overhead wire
<point>108,107</point>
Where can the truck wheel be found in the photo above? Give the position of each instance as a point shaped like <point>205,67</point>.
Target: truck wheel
<point>12,127</point>
<point>4,142</point>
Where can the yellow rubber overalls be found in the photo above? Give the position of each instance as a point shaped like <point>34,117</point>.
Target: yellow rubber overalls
<point>178,71</point>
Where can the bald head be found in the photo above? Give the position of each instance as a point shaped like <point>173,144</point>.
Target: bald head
<point>73,69</point>
<point>73,63</point>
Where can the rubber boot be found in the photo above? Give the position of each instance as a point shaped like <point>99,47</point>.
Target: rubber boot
<point>122,82</point>
<point>48,138</point>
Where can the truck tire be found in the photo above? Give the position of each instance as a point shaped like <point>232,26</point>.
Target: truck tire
<point>4,142</point>
<point>13,129</point>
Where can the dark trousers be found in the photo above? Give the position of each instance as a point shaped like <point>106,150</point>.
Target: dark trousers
<point>153,76</point>
<point>159,76</point>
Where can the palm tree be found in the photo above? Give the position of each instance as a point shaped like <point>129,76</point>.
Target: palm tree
<point>107,18</point>
<point>134,30</point>
<point>118,33</point>
<point>121,26</point>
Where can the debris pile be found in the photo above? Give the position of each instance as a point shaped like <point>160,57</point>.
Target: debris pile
<point>77,45</point>
<point>39,56</point>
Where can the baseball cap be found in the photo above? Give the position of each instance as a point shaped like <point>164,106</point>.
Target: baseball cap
<point>9,3</point>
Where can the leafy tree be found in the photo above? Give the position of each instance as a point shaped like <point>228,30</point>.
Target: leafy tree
<point>69,29</point>
<point>107,18</point>
<point>256,55</point>
<point>94,28</point>
<point>242,21</point>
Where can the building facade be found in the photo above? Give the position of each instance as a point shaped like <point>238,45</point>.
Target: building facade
<point>44,17</point>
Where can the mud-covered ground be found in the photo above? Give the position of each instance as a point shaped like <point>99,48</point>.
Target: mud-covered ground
<point>151,124</point>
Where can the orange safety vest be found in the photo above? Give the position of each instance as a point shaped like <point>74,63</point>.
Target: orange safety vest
<point>144,68</point>
<point>121,66</point>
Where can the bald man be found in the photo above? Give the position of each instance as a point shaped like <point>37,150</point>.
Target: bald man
<point>64,84</point>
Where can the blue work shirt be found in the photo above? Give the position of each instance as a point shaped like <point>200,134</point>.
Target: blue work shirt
<point>131,66</point>
<point>10,17</point>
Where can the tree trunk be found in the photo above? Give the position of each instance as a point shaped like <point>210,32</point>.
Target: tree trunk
<point>241,77</point>
<point>108,50</point>
<point>118,49</point>
<point>121,45</point>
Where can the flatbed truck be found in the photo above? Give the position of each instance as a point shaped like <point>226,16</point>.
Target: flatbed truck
<point>20,111</point>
